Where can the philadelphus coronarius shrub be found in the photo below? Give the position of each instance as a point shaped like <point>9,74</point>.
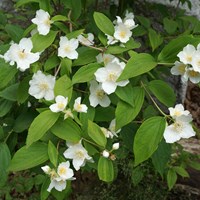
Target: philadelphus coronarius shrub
<point>83,99</point>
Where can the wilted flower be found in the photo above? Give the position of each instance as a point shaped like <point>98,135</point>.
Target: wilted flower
<point>108,76</point>
<point>61,103</point>
<point>80,107</point>
<point>68,48</point>
<point>43,22</point>
<point>42,86</point>
<point>78,154</point>
<point>97,95</point>
<point>21,54</point>
<point>88,41</point>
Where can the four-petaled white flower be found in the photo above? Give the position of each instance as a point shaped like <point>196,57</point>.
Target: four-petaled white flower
<point>80,107</point>
<point>61,103</point>
<point>122,33</point>
<point>196,61</point>
<point>181,126</point>
<point>59,178</point>
<point>42,86</point>
<point>43,22</point>
<point>108,76</point>
<point>68,48</point>
<point>192,75</point>
<point>88,41</point>
<point>186,55</point>
<point>179,129</point>
<point>21,54</point>
<point>97,95</point>
<point>78,154</point>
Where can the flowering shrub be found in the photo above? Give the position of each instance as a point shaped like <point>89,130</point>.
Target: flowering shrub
<point>81,99</point>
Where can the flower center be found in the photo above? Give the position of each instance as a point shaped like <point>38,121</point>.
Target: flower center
<point>189,58</point>
<point>43,86</point>
<point>192,73</point>
<point>61,105</point>
<point>22,54</point>
<point>181,69</point>
<point>62,171</point>
<point>47,22</point>
<point>53,174</point>
<point>79,154</point>
<point>122,34</point>
<point>112,77</point>
<point>100,94</point>
<point>68,49</point>
<point>177,113</point>
<point>178,127</point>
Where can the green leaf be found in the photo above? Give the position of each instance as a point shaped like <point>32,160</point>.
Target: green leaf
<point>22,2</point>
<point>137,175</point>
<point>43,192</point>
<point>51,62</point>
<point>5,107</point>
<point>104,114</point>
<point>26,158</point>
<point>163,92</point>
<point>22,92</point>
<point>67,130</point>
<point>53,153</point>
<point>14,31</point>
<point>105,169</point>
<point>7,73</point>
<point>59,18</point>
<point>96,134</point>
<point>74,34</point>
<point>170,51</point>
<point>41,124</point>
<point>137,65</point>
<point>161,156</point>
<point>194,164</point>
<point>41,42</point>
<point>10,93</point>
<point>155,39</point>
<point>104,23</point>
<point>85,73</point>
<point>181,171</point>
<point>131,112</point>
<point>144,21</point>
<point>85,56</point>
<point>76,9</point>
<point>63,87</point>
<point>147,138</point>
<point>171,178</point>
<point>126,94</point>
<point>66,67</point>
<point>170,25</point>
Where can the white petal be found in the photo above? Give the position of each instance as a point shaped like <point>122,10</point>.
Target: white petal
<point>109,87</point>
<point>170,135</point>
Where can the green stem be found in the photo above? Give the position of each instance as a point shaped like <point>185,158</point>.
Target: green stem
<point>153,100</point>
<point>166,64</point>
<point>9,133</point>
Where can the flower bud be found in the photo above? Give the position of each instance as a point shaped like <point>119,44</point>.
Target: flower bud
<point>115,146</point>
<point>46,169</point>
<point>105,154</point>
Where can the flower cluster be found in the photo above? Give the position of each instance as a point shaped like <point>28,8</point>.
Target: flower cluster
<point>122,29</point>
<point>181,126</point>
<point>189,65</point>
<point>60,176</point>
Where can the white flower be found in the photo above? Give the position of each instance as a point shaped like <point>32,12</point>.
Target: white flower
<point>112,127</point>
<point>97,95</point>
<point>111,40</point>
<point>21,54</point>
<point>186,55</point>
<point>61,103</point>
<point>192,75</point>
<point>80,107</point>
<point>43,22</point>
<point>122,33</point>
<point>88,41</point>
<point>178,111</point>
<point>108,76</point>
<point>115,146</point>
<point>105,154</point>
<point>196,61</point>
<point>179,129</point>
<point>65,172</point>
<point>42,86</point>
<point>58,184</point>
<point>68,48</point>
<point>107,133</point>
<point>105,58</point>
<point>78,154</point>
<point>178,68</point>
